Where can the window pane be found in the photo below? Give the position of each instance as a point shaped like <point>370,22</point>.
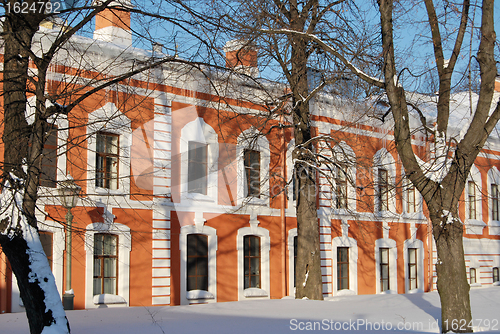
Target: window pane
<point>254,266</point>
<point>97,286</point>
<point>495,275</point>
<point>412,255</point>
<point>98,243</point>
<point>197,168</point>
<point>197,262</point>
<point>97,267</point>
<point>110,286</point>
<point>384,255</point>
<point>252,172</point>
<point>109,245</point>
<point>109,267</point>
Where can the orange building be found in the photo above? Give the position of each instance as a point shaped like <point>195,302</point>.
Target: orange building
<point>187,189</point>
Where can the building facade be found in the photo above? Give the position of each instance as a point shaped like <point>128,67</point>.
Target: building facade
<point>188,190</point>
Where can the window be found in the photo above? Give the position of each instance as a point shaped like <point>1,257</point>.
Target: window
<point>494,202</point>
<point>251,244</point>
<point>384,269</point>
<point>472,275</point>
<point>105,264</point>
<point>342,268</point>
<point>383,194</point>
<point>252,173</point>
<point>472,199</point>
<point>341,187</point>
<point>107,160</point>
<point>294,261</point>
<point>412,269</point>
<point>495,275</point>
<point>49,159</point>
<point>197,262</point>
<point>46,240</point>
<point>197,168</point>
<point>410,199</point>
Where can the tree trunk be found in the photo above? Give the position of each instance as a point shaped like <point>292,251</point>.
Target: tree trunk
<point>452,284</point>
<point>34,298</point>
<point>308,267</point>
<point>22,165</point>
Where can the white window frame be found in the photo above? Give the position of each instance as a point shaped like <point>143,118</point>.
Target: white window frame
<point>384,160</point>
<point>61,121</point>
<point>211,295</point>
<point>474,226</point>
<point>473,262</point>
<point>393,269</point>
<point>200,132</point>
<point>352,244</point>
<point>265,245</point>
<point>111,120</point>
<point>493,178</point>
<point>124,248</point>
<point>290,169</point>
<point>344,154</point>
<point>419,245</point>
<point>252,139</point>
<point>291,270</point>
<point>418,214</point>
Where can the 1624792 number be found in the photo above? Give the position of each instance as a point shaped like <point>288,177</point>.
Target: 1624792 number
<point>33,8</point>
<point>461,324</point>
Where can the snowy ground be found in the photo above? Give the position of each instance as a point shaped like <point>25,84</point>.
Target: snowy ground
<point>413,313</point>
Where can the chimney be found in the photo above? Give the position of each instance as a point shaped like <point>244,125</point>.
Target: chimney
<point>112,25</point>
<point>242,57</point>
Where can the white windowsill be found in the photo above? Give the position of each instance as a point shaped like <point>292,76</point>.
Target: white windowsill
<point>254,292</point>
<point>106,299</point>
<point>199,294</point>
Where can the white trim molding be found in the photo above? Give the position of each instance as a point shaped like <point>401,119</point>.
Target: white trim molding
<point>111,120</point>
<point>124,248</point>
<point>419,245</point>
<point>291,267</point>
<point>352,244</point>
<point>209,296</point>
<point>393,263</point>
<point>384,160</point>
<point>344,154</point>
<point>254,140</point>
<point>265,246</point>
<point>200,132</point>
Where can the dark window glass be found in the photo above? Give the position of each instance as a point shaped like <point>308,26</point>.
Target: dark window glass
<point>494,202</point>
<point>197,262</point>
<point>107,160</point>
<point>412,268</point>
<point>384,269</point>
<point>197,168</point>
<point>105,264</point>
<point>252,173</point>
<point>251,272</point>
<point>472,275</point>
<point>341,187</point>
<point>49,159</point>
<point>472,200</point>
<point>410,199</point>
<point>383,194</point>
<point>342,268</point>
<point>495,274</point>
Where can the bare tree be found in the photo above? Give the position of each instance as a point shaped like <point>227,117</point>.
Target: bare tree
<point>32,101</point>
<point>298,33</point>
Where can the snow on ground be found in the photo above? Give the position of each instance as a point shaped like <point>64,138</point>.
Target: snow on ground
<point>409,313</point>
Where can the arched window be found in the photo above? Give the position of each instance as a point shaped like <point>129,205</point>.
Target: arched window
<point>197,262</point>
<point>495,275</point>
